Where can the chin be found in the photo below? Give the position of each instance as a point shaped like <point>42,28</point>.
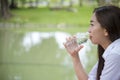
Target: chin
<point>93,42</point>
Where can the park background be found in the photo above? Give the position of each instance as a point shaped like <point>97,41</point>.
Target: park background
<point>32,33</point>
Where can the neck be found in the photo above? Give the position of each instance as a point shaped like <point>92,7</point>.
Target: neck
<point>105,44</point>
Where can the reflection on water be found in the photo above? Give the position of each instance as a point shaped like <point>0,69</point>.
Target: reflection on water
<point>45,56</point>
<point>33,38</point>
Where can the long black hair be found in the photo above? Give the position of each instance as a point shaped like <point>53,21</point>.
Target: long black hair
<point>109,18</point>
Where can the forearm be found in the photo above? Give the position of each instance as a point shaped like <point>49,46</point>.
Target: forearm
<point>79,70</point>
<point>73,48</point>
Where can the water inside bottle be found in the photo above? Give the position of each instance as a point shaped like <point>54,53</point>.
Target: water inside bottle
<point>82,37</point>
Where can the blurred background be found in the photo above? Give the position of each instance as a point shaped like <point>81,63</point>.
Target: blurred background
<point>32,33</point>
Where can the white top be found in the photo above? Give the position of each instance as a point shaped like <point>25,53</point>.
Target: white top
<point>111,70</point>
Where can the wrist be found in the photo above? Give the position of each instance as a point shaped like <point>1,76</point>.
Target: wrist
<point>75,58</point>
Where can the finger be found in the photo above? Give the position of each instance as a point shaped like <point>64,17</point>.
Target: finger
<point>79,48</point>
<point>68,39</point>
<point>74,36</point>
<point>64,45</point>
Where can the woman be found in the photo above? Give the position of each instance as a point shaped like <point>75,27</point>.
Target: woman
<point>104,31</point>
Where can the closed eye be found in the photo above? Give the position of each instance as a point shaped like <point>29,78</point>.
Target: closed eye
<point>91,24</point>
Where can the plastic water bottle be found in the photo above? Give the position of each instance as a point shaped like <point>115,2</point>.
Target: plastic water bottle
<point>80,39</point>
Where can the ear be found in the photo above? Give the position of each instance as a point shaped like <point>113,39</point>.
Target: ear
<point>105,32</point>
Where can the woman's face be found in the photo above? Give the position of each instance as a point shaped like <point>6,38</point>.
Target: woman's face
<point>98,35</point>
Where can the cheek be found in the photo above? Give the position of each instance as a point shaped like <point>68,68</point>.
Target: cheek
<point>96,37</point>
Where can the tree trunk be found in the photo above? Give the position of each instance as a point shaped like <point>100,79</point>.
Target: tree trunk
<point>80,2</point>
<point>31,4</point>
<point>71,3</point>
<point>4,7</point>
<point>37,2</point>
<point>48,3</point>
<point>22,3</point>
<point>13,4</point>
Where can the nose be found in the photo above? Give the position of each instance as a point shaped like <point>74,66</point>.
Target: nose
<point>89,30</point>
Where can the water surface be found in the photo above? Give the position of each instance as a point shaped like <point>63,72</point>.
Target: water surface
<point>39,56</point>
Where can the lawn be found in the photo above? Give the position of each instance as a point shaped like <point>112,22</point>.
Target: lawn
<point>63,20</point>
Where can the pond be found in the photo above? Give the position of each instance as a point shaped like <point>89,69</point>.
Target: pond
<point>39,56</point>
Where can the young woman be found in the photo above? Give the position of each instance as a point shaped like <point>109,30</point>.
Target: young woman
<point>104,31</point>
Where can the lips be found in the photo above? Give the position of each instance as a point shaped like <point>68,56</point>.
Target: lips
<point>90,37</point>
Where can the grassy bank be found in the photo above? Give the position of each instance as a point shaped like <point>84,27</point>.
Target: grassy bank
<point>79,18</point>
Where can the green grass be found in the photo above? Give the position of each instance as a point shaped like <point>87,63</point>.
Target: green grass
<point>45,16</point>
<point>71,30</point>
<point>79,20</point>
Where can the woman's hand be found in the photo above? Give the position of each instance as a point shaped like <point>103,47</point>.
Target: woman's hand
<point>72,47</point>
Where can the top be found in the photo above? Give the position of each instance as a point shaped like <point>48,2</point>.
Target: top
<point>111,70</point>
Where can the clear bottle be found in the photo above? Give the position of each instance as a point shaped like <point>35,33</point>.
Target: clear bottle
<point>80,39</point>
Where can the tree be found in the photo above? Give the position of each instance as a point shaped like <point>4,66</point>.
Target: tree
<point>4,9</point>
<point>37,2</point>
<point>22,2</point>
<point>80,2</point>
<point>13,4</point>
<point>71,3</point>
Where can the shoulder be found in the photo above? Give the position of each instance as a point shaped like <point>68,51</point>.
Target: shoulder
<point>112,56</point>
<point>111,67</point>
<point>112,49</point>
<point>114,53</point>
<point>115,47</point>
